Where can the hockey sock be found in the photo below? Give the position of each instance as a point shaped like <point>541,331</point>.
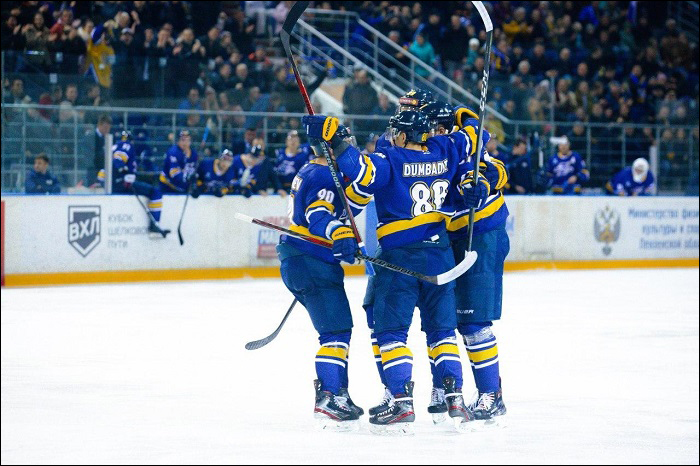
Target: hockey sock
<point>332,361</point>
<point>397,360</point>
<point>437,382</point>
<point>483,355</point>
<point>444,352</point>
<point>377,357</point>
<point>156,204</point>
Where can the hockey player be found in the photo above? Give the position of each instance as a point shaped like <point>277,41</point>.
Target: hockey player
<point>636,180</point>
<point>215,176</point>
<point>566,170</point>
<point>479,291</point>
<point>179,166</point>
<point>314,275</point>
<point>409,181</point>
<point>255,173</point>
<point>291,158</point>
<point>124,168</point>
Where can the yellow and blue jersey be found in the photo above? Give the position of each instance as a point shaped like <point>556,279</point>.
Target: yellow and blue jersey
<point>211,180</point>
<point>123,160</point>
<point>177,168</point>
<point>288,165</point>
<point>494,212</point>
<point>314,209</point>
<point>410,186</point>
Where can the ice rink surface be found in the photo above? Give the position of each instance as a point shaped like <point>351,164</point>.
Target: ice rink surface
<point>597,366</point>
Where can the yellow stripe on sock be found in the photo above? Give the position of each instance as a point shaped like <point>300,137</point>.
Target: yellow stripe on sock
<point>483,355</point>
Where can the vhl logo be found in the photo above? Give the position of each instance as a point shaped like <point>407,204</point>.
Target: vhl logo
<point>606,228</point>
<point>84,228</point>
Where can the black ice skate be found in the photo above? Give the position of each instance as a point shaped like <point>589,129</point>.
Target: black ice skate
<point>489,409</point>
<point>383,405</point>
<point>398,417</point>
<point>456,408</point>
<point>155,231</point>
<point>344,392</point>
<point>332,412</point>
<point>437,407</point>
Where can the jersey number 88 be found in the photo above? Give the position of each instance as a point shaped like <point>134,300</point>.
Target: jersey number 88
<point>428,198</point>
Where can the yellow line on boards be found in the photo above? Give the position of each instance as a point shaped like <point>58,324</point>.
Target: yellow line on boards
<point>601,264</point>
<point>132,276</point>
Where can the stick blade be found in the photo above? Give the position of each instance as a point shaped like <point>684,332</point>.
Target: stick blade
<point>179,235</point>
<point>243,217</point>
<point>459,269</point>
<point>253,345</point>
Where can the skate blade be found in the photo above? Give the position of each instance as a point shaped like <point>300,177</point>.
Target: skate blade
<point>393,430</point>
<point>439,418</point>
<point>497,422</point>
<point>331,425</point>
<point>462,426</point>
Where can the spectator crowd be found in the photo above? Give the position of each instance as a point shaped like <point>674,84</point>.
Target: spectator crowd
<point>560,65</point>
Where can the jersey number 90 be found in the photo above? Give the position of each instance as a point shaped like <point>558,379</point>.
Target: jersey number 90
<point>428,198</point>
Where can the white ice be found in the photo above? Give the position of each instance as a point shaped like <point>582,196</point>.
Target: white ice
<point>597,366</point>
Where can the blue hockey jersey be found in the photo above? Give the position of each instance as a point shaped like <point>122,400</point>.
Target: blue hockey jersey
<point>288,165</point>
<point>314,209</point>
<point>410,186</point>
<point>623,184</point>
<point>123,161</point>
<point>177,168</point>
<point>561,167</point>
<point>494,212</point>
<point>209,180</point>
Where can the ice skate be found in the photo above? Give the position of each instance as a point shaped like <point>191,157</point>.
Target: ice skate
<point>489,410</point>
<point>333,413</point>
<point>456,408</point>
<point>155,231</point>
<point>398,417</point>
<point>383,405</point>
<point>344,392</point>
<point>437,407</point>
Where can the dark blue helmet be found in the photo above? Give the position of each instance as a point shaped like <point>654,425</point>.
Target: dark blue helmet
<point>439,114</point>
<point>414,124</point>
<point>125,136</point>
<point>415,99</point>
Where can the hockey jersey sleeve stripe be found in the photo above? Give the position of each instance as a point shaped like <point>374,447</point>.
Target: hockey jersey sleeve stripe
<point>401,225</point>
<point>369,171</point>
<point>463,221</point>
<point>164,179</point>
<point>359,199</point>
<point>305,231</point>
<point>327,205</point>
<point>174,171</point>
<point>120,155</point>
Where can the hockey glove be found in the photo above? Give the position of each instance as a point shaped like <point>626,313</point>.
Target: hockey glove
<point>475,196</point>
<point>129,180</point>
<point>462,114</point>
<point>344,244</point>
<point>320,126</point>
<point>197,190</point>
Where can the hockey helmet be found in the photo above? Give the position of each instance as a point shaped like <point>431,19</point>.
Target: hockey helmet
<point>415,99</point>
<point>414,124</point>
<point>439,114</point>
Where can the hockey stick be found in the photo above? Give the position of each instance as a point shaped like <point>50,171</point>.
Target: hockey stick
<point>440,279</point>
<point>482,103</point>
<point>253,345</point>
<point>292,18</point>
<point>150,214</point>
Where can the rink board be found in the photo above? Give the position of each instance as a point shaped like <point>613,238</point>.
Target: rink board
<point>102,239</point>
